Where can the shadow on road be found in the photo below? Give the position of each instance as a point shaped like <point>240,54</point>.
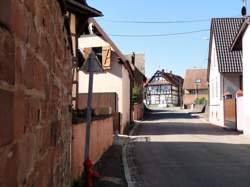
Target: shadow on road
<point>192,154</point>
<point>193,164</point>
<point>156,115</point>
<point>166,123</point>
<point>174,128</point>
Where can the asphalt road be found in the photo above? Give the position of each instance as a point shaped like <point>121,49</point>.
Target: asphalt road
<point>177,149</point>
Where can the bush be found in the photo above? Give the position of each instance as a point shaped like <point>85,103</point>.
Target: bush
<point>136,94</point>
<point>200,101</point>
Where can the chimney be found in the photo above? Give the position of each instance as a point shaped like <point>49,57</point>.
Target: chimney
<point>162,71</point>
<point>133,58</point>
<point>171,72</point>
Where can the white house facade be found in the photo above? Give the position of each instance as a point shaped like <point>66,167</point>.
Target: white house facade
<point>164,89</point>
<point>246,79</point>
<point>115,78</point>
<point>242,43</point>
<point>224,67</point>
<point>216,110</point>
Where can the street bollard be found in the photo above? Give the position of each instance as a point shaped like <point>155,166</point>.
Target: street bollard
<point>90,173</point>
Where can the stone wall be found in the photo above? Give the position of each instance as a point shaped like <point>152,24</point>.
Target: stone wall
<point>35,94</point>
<point>101,137</point>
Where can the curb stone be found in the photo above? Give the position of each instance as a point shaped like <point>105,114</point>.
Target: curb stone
<point>130,169</point>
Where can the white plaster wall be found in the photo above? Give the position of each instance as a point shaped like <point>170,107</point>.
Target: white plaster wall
<point>91,41</point>
<point>114,80</point>
<point>240,114</point>
<point>246,80</point>
<point>216,112</point>
<point>108,81</point>
<point>126,96</point>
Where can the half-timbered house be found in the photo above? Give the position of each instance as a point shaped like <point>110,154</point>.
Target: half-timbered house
<point>164,89</point>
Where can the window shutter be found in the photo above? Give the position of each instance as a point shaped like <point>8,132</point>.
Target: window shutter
<point>87,52</point>
<point>106,58</point>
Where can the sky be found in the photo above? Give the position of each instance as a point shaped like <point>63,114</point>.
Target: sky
<point>176,52</point>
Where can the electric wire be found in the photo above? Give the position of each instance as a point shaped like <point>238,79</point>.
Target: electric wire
<point>157,22</point>
<point>158,35</point>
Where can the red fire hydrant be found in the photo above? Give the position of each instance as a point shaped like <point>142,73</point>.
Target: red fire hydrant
<point>90,173</point>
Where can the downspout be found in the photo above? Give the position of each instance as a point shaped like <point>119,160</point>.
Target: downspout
<point>131,102</point>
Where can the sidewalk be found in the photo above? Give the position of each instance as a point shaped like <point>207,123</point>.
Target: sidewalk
<point>110,166</point>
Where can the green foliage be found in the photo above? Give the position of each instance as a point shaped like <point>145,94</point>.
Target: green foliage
<point>136,94</point>
<point>200,101</point>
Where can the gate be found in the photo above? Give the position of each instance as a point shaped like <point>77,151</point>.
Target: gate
<point>230,113</point>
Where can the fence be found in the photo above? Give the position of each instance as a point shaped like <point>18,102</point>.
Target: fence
<point>99,100</point>
<point>108,99</point>
<point>101,137</point>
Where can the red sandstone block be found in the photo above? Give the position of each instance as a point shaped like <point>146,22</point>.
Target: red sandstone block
<point>44,49</point>
<point>54,134</point>
<point>26,156</point>
<point>29,70</point>
<point>40,76</point>
<point>41,174</point>
<point>18,64</point>
<point>19,114</point>
<point>5,10</point>
<point>9,167</point>
<point>45,139</point>
<point>30,5</point>
<point>6,117</point>
<point>46,113</point>
<point>44,168</point>
<point>34,113</point>
<point>19,20</point>
<point>35,74</point>
<point>33,37</point>
<point>7,57</point>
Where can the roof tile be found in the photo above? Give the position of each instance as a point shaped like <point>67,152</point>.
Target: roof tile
<point>225,30</point>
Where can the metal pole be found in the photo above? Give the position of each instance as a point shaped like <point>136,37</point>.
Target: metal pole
<point>89,106</point>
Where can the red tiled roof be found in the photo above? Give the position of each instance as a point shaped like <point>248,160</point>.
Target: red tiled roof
<point>192,75</point>
<point>173,79</point>
<point>224,31</point>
